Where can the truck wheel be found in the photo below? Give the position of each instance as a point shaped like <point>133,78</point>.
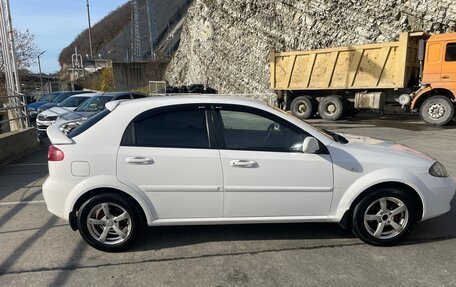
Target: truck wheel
<point>304,107</point>
<point>437,110</point>
<point>332,108</point>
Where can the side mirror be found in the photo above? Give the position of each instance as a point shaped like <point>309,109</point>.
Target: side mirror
<point>421,44</point>
<point>310,145</point>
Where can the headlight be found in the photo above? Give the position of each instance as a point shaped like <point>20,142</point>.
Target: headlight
<point>68,127</point>
<point>438,170</point>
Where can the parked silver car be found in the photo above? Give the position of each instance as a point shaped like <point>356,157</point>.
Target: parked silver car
<point>93,107</point>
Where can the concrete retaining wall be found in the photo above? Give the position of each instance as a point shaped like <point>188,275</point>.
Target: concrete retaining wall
<point>128,76</point>
<point>14,145</point>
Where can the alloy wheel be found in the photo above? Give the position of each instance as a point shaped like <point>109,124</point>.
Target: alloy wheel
<point>386,217</point>
<point>109,223</point>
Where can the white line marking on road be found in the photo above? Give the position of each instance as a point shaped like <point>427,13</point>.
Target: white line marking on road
<point>21,202</point>
<point>27,164</point>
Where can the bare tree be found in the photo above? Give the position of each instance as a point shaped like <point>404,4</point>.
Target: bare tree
<point>26,49</point>
<point>26,55</point>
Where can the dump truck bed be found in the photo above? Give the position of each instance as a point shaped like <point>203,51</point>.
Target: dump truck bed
<point>383,65</point>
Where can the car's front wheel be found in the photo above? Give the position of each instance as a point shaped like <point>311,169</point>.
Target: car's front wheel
<point>109,222</point>
<point>385,216</point>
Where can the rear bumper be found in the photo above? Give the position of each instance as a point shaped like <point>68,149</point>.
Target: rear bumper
<point>55,194</point>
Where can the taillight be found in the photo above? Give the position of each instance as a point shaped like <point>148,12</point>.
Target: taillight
<point>55,154</point>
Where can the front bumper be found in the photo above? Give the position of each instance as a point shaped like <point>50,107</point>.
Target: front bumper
<point>437,194</point>
<point>43,125</point>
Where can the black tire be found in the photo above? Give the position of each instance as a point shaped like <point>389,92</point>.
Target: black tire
<point>437,110</point>
<point>116,203</point>
<point>304,107</point>
<point>364,230</point>
<point>332,108</point>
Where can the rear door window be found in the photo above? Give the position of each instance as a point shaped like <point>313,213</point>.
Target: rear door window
<point>186,128</point>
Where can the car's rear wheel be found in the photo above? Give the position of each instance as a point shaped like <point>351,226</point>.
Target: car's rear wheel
<point>109,222</point>
<point>385,216</point>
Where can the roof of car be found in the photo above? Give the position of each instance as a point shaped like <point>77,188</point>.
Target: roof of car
<point>187,99</point>
<point>73,92</point>
<point>85,95</point>
<point>115,94</point>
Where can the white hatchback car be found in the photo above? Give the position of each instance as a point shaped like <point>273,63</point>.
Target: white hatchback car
<point>227,160</point>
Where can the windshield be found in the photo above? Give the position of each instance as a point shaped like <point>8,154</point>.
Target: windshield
<point>95,104</point>
<point>73,101</point>
<point>60,98</point>
<point>48,97</point>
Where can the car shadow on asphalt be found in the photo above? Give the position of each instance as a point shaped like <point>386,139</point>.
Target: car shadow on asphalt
<point>164,237</point>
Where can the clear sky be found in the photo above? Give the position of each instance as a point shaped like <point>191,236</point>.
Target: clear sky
<point>55,23</point>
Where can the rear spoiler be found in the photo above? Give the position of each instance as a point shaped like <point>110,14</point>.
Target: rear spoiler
<point>56,136</point>
<point>112,105</point>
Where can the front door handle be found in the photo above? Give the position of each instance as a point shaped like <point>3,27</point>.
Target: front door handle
<point>445,77</point>
<point>243,163</point>
<point>139,160</point>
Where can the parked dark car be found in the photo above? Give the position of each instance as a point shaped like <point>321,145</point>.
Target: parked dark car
<point>33,107</point>
<point>93,106</point>
<point>60,98</point>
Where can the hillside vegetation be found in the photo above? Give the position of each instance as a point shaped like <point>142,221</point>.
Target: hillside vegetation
<point>226,43</point>
<point>103,32</point>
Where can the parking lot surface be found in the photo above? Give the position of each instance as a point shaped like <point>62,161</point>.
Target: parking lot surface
<point>38,249</point>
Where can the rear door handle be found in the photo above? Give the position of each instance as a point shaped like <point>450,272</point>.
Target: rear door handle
<point>243,163</point>
<point>445,77</point>
<point>139,160</point>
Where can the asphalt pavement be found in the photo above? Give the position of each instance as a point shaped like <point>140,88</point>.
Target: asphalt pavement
<point>38,249</point>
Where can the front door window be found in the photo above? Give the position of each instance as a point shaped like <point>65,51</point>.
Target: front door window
<point>249,131</point>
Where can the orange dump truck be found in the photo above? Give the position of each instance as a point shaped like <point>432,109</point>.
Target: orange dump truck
<point>415,74</point>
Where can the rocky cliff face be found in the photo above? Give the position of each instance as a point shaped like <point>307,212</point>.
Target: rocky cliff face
<point>226,43</point>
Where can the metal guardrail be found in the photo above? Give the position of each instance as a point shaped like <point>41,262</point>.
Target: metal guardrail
<point>14,111</point>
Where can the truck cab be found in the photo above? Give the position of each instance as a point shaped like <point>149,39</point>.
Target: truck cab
<point>437,98</point>
<point>440,62</point>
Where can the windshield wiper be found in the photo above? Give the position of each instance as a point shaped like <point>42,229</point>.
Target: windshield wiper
<point>337,137</point>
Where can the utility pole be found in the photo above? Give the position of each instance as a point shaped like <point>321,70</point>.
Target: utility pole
<point>152,28</point>
<point>41,77</point>
<point>135,36</point>
<point>90,30</point>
